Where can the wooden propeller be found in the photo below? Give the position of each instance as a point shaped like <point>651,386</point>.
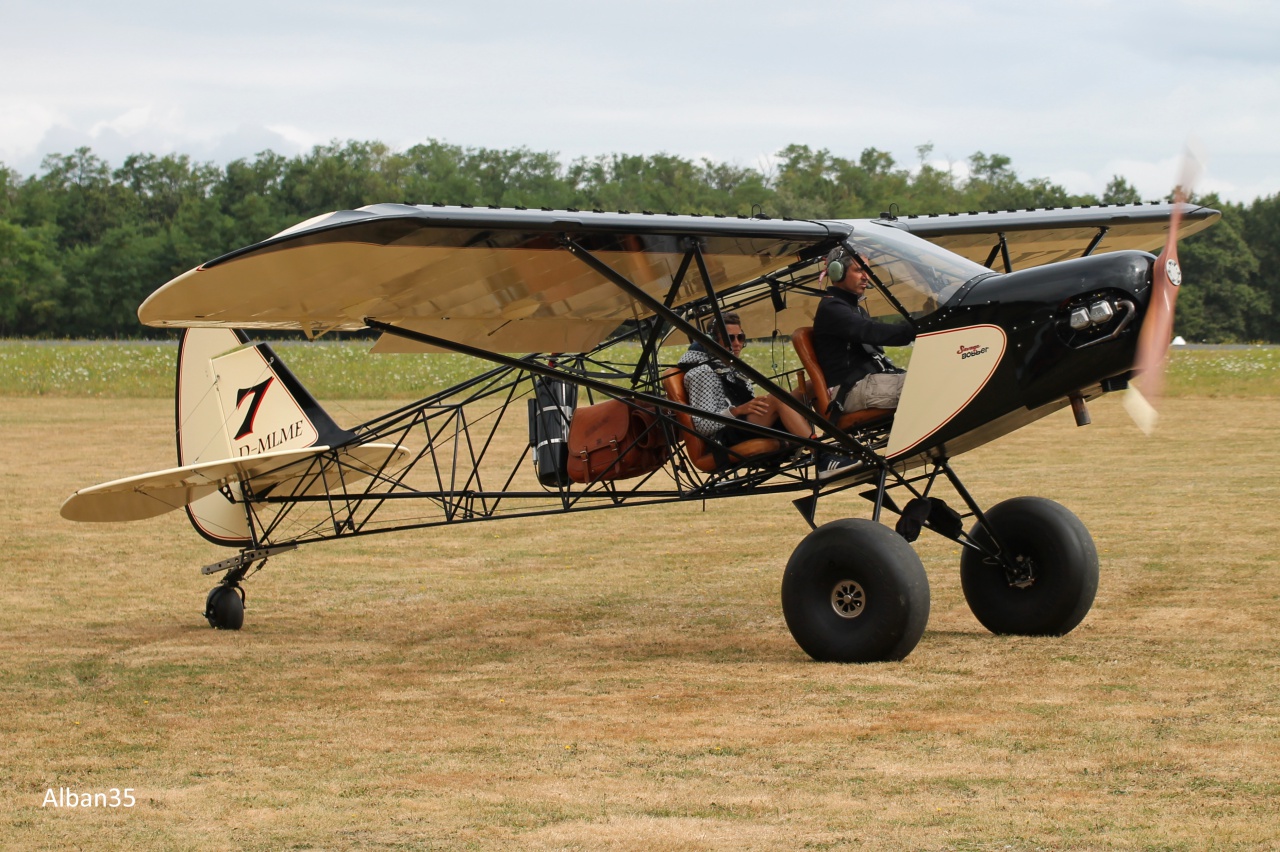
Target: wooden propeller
<point>1146,390</point>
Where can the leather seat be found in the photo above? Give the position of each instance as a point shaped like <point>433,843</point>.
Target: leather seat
<point>802,340</point>
<point>696,445</point>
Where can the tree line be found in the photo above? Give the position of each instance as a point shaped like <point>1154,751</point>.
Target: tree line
<point>82,243</point>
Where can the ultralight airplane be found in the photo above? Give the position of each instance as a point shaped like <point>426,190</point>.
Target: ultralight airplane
<point>1018,314</point>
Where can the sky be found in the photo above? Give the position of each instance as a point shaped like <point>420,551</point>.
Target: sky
<point>1074,92</point>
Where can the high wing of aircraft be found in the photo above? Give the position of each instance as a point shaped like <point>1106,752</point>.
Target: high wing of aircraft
<point>579,314</point>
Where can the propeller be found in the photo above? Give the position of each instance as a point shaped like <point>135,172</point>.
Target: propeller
<point>1145,391</point>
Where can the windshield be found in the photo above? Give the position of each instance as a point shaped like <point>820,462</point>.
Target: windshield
<point>919,274</point>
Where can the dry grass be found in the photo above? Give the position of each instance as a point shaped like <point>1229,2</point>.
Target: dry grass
<point>625,680</point>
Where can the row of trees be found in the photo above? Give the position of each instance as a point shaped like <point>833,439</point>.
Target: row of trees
<point>81,243</point>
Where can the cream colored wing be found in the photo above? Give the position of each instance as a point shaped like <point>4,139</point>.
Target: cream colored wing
<point>1037,237</point>
<point>501,280</point>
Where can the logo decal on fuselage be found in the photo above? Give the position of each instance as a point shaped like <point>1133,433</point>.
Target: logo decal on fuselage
<point>948,370</point>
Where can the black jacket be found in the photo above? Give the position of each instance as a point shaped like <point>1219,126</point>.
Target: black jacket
<point>849,343</point>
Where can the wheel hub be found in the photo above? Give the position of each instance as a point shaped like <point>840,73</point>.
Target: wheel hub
<point>1025,575</point>
<point>848,599</point>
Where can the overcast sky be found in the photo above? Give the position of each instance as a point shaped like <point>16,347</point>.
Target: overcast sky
<point>1073,91</point>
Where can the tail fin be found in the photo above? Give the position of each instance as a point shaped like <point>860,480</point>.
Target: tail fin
<point>234,400</point>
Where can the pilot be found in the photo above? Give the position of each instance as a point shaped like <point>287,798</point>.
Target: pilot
<point>849,345</point>
<point>717,387</point>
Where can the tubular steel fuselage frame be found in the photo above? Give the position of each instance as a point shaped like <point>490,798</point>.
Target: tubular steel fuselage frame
<point>453,431</point>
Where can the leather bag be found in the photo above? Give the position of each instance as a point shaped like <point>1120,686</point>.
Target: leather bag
<point>615,440</point>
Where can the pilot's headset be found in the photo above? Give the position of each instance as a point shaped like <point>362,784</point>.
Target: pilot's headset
<point>839,262</point>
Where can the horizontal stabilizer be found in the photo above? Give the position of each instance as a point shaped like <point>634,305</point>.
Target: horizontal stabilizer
<point>292,472</point>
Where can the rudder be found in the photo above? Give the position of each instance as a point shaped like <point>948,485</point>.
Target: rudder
<point>234,400</point>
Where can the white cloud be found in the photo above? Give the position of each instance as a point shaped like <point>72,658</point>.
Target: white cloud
<point>299,139</point>
<point>130,122</point>
<point>1073,92</point>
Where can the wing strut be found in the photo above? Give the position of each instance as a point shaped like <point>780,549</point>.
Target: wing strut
<point>650,349</point>
<point>711,295</point>
<point>714,348</point>
<point>1001,248</point>
<point>1093,244</point>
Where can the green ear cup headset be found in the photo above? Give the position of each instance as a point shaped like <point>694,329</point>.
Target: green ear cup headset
<point>836,271</point>
<point>838,264</point>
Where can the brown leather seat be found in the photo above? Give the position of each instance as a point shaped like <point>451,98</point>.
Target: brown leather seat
<point>696,446</point>
<point>802,340</point>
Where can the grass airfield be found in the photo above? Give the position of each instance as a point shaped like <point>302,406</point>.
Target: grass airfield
<point>625,679</point>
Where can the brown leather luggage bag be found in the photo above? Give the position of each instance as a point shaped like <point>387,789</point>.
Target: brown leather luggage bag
<point>614,440</point>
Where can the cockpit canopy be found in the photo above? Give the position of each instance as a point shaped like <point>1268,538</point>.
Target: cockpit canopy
<point>919,275</point>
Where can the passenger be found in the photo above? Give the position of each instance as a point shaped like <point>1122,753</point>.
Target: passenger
<point>849,346</point>
<point>713,386</point>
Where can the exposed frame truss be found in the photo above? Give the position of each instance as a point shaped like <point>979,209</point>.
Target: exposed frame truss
<point>449,475</point>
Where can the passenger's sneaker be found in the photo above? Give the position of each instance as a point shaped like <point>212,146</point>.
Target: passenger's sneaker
<point>832,465</point>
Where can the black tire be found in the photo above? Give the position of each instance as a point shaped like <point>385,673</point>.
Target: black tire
<point>1062,564</point>
<point>855,592</point>
<point>225,608</point>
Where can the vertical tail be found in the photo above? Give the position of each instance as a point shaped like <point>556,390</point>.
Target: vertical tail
<point>234,400</point>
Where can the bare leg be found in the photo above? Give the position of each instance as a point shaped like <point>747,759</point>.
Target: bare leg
<point>792,421</point>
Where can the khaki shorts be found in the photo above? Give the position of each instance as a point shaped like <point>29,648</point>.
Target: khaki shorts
<point>878,390</point>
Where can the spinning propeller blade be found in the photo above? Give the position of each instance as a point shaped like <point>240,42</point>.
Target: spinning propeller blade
<point>1143,397</point>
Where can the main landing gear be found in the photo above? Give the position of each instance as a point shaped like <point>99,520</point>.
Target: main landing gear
<point>1046,582</point>
<point>854,591</point>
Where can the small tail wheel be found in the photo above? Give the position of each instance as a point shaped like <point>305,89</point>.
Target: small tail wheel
<point>225,607</point>
<point>855,592</point>
<point>1053,577</point>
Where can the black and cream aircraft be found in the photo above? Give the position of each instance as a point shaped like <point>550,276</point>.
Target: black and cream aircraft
<point>1018,314</point>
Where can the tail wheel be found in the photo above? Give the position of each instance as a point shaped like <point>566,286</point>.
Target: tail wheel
<point>855,592</point>
<point>1056,576</point>
<point>225,607</point>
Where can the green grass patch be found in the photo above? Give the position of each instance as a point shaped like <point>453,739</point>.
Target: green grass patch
<point>346,370</point>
